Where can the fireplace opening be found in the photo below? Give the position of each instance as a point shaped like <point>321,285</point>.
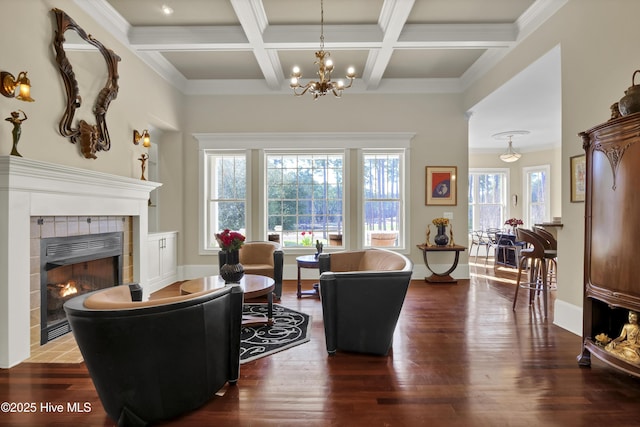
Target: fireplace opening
<point>72,266</point>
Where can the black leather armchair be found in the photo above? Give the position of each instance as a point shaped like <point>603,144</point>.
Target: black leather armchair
<point>262,258</point>
<point>154,360</point>
<point>362,293</point>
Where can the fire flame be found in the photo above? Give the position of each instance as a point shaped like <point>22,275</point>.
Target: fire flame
<point>68,289</point>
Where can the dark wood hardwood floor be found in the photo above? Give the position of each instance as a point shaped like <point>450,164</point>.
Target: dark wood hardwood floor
<point>461,357</point>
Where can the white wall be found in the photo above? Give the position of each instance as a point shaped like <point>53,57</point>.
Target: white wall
<point>144,99</point>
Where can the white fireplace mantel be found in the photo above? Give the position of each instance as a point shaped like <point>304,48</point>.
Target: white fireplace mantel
<point>34,188</point>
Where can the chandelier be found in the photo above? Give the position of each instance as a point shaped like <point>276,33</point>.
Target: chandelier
<point>325,67</point>
<point>510,155</point>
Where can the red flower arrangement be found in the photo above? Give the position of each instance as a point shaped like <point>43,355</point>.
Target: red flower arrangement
<point>230,240</point>
<point>514,222</point>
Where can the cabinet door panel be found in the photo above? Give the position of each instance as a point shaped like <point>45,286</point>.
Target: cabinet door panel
<point>169,256</point>
<point>154,267</point>
<point>613,221</point>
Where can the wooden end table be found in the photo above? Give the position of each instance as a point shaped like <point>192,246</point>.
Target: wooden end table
<point>446,276</point>
<point>306,261</point>
<point>253,285</point>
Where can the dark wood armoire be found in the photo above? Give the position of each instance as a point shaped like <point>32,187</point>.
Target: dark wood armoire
<point>612,235</point>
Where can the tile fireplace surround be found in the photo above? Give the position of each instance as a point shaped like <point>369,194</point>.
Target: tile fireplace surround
<point>31,188</point>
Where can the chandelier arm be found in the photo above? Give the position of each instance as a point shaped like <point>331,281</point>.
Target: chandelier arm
<point>306,88</point>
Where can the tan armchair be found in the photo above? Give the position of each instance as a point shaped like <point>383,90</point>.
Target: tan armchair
<point>155,360</point>
<point>362,293</point>
<point>262,258</point>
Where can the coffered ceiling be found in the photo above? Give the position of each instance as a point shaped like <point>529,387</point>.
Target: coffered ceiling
<point>250,46</point>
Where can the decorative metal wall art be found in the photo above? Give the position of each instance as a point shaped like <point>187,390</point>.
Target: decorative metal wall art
<point>92,137</point>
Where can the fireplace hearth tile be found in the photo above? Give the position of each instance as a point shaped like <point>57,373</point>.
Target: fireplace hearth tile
<point>61,350</point>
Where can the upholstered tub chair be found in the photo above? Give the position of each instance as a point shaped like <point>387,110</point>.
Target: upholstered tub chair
<point>362,294</point>
<point>155,360</point>
<point>262,258</point>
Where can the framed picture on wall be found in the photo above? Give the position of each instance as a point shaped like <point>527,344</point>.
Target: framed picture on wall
<point>441,186</point>
<point>578,178</point>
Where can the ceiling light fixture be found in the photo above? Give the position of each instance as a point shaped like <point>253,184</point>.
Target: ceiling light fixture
<point>167,10</point>
<point>325,67</point>
<point>510,155</point>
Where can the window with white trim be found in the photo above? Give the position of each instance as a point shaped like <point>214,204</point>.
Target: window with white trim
<point>305,196</point>
<point>225,193</point>
<point>303,190</point>
<point>383,195</point>
<point>537,206</point>
<point>487,198</point>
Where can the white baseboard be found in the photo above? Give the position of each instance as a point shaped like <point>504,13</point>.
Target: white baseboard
<point>568,316</point>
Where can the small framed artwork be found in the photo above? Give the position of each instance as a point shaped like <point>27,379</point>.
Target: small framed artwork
<point>441,186</point>
<point>578,178</point>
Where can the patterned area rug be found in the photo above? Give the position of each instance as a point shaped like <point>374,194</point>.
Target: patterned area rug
<point>290,328</point>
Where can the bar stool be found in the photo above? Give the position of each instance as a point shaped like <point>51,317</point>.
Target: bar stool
<point>550,253</point>
<point>535,255</point>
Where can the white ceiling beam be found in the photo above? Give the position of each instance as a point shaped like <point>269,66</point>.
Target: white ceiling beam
<point>253,20</point>
<point>164,68</point>
<point>393,18</point>
<point>294,37</point>
<point>188,38</point>
<point>458,35</point>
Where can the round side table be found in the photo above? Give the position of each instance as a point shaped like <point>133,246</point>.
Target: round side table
<point>307,261</point>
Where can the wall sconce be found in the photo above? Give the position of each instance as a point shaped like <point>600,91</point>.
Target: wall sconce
<point>146,140</point>
<point>8,85</point>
